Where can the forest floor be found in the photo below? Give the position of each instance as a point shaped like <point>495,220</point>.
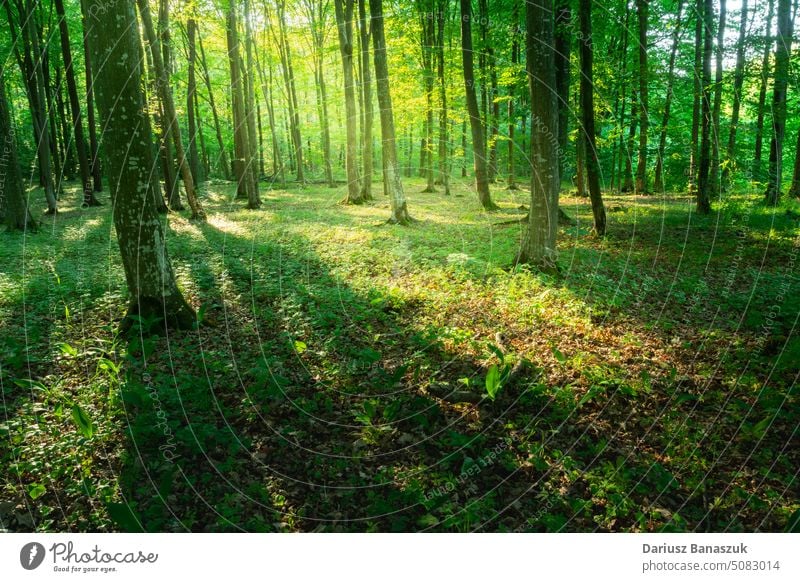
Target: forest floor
<point>339,379</point>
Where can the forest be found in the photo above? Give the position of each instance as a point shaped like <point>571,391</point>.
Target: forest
<point>399,266</point>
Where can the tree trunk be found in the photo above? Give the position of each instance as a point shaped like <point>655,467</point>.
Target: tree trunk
<point>318,16</point>
<point>291,89</point>
<point>738,83</point>
<point>113,36</point>
<point>75,108</point>
<point>191,93</point>
<point>94,148</point>
<point>587,111</point>
<point>427,42</point>
<point>444,122</point>
<point>247,71</point>
<point>344,23</point>
<point>563,48</point>
<point>762,95</point>
<point>243,162</point>
<point>13,198</point>
<point>703,189</point>
<point>696,103</point>
<point>642,7</point>
<point>627,185</point>
<point>539,243</point>
<point>478,143</point>
<point>714,179</point>
<point>781,78</point>
<point>391,167</point>
<point>512,94</point>
<point>662,138</point>
<point>162,81</point>
<point>364,28</point>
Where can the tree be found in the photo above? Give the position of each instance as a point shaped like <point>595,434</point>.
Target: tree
<point>191,98</point>
<point>13,199</point>
<point>538,246</point>
<point>444,121</point>
<point>171,117</point>
<point>364,29</point>
<point>563,49</point>
<point>780,82</point>
<point>427,41</point>
<point>642,7</point>
<point>244,164</point>
<point>705,7</point>
<point>769,43</point>
<point>391,167</point>
<point>344,23</point>
<point>97,173</point>
<point>587,117</point>
<point>285,51</point>
<point>738,83</point>
<point>75,109</point>
<point>714,179</point>
<point>478,141</point>
<point>662,138</point>
<point>113,38</point>
<point>697,78</point>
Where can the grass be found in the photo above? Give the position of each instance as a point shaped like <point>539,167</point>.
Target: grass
<point>658,391</point>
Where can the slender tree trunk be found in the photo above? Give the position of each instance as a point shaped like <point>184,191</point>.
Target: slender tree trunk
<point>243,162</point>
<point>697,77</point>
<point>478,143</point>
<point>344,22</point>
<point>444,122</point>
<point>191,93</point>
<point>769,43</point>
<point>291,89</point>
<point>94,148</point>
<point>539,243</point>
<point>512,94</point>
<point>113,36</point>
<point>391,167</point>
<point>644,121</point>
<point>703,188</point>
<point>223,151</point>
<point>714,179</point>
<point>75,107</point>
<point>318,16</point>
<point>738,83</point>
<point>563,48</point>
<point>627,185</point>
<point>427,41</point>
<point>780,82</point>
<point>162,81</point>
<point>246,69</point>
<point>587,111</point>
<point>13,198</point>
<point>364,28</point>
<point>662,138</point>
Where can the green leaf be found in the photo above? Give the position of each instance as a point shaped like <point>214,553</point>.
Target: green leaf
<point>67,349</point>
<point>36,490</point>
<point>124,517</point>
<point>562,359</point>
<point>300,347</point>
<point>82,421</point>
<point>794,523</point>
<point>493,382</point>
<point>497,352</point>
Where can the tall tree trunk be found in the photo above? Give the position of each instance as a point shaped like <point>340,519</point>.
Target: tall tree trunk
<point>243,162</point>
<point>738,83</point>
<point>478,143</point>
<point>512,96</point>
<point>113,36</point>
<point>223,150</point>
<point>94,147</point>
<point>769,43</point>
<point>539,243</point>
<point>364,28</point>
<point>344,23</point>
<point>780,82</point>
<point>391,167</point>
<point>627,185</point>
<point>642,7</point>
<point>162,81</point>
<point>703,188</point>
<point>75,108</point>
<point>563,48</point>
<point>191,94</point>
<point>714,179</point>
<point>697,78</point>
<point>427,42</point>
<point>587,116</point>
<point>13,198</point>
<point>247,69</point>
<point>291,89</point>
<point>658,185</point>
<point>318,16</point>
<point>444,122</point>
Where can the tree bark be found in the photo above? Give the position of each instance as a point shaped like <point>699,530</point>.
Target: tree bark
<point>223,150</point>
<point>291,89</point>
<point>94,148</point>
<point>703,188</point>
<point>563,49</point>
<point>444,122</point>
<point>644,121</point>
<point>780,82</point>
<point>539,243</point>
<point>738,83</point>
<point>344,23</point>
<point>714,179</point>
<point>191,94</point>
<point>587,111</point>
<point>427,42</point>
<point>13,198</point>
<point>364,28</point>
<point>113,36</point>
<point>391,168</point>
<point>478,143</point>
<point>762,95</point>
